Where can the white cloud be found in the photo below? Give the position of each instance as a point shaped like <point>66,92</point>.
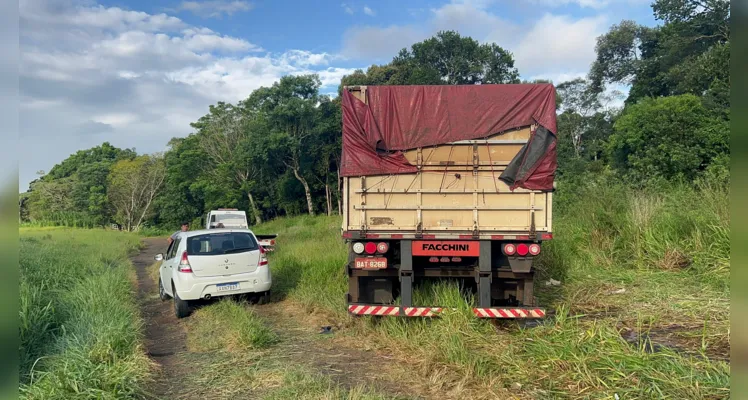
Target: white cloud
<point>135,81</point>
<point>347,8</point>
<point>370,42</point>
<point>551,46</point>
<point>215,8</point>
<point>593,4</point>
<point>596,4</point>
<point>558,43</point>
<point>368,11</point>
<point>471,18</point>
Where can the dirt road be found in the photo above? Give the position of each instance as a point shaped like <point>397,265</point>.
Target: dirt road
<point>349,366</point>
<point>165,336</point>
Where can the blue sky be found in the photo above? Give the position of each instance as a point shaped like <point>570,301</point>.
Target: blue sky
<point>136,73</point>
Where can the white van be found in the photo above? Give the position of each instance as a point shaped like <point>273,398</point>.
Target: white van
<point>229,218</point>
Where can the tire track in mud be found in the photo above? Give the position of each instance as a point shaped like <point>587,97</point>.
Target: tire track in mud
<point>165,337</point>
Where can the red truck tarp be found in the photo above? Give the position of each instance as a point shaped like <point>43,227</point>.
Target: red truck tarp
<point>398,118</point>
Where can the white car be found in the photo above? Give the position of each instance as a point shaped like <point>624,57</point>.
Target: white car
<point>209,263</point>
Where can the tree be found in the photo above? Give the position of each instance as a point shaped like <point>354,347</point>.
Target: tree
<point>446,58</point>
<point>290,109</point>
<point>669,137</point>
<point>688,54</point>
<point>619,54</point>
<point>133,184</point>
<point>586,114</point>
<point>183,196</point>
<point>223,135</point>
<point>326,145</point>
<point>461,60</point>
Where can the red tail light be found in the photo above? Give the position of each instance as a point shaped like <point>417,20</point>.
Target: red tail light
<point>522,249</point>
<point>263,256</point>
<point>534,249</point>
<point>184,264</point>
<point>456,259</point>
<point>382,247</point>
<point>445,259</point>
<point>370,247</point>
<point>433,259</point>
<point>509,249</point>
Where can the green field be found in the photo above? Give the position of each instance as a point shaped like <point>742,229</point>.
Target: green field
<point>80,329</point>
<point>642,311</point>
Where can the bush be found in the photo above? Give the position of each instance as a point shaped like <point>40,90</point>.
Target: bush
<point>668,137</point>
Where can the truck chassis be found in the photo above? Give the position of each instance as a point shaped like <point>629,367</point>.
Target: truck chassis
<point>503,284</point>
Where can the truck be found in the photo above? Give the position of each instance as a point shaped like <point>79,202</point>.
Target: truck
<point>233,218</point>
<point>447,182</point>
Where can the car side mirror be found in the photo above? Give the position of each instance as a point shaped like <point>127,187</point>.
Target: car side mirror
<point>159,257</point>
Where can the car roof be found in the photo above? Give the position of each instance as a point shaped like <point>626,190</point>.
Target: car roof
<point>212,231</point>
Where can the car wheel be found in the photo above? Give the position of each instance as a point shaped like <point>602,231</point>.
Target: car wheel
<point>162,292</point>
<point>181,307</point>
<point>264,298</point>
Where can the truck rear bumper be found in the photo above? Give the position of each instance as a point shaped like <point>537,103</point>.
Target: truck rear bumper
<point>399,311</point>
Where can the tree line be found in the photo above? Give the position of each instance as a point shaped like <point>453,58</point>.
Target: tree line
<point>277,152</point>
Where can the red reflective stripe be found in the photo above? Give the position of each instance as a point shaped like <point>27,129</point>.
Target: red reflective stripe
<point>497,237</point>
<point>523,237</point>
<point>514,312</point>
<point>347,235</point>
<point>372,236</point>
<point>429,236</point>
<point>546,236</point>
<point>397,236</point>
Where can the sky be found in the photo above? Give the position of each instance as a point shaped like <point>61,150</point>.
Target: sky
<point>135,73</point>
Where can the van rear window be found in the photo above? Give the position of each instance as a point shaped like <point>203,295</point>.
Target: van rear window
<point>220,243</point>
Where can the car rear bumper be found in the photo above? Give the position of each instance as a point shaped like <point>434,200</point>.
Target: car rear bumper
<point>194,288</point>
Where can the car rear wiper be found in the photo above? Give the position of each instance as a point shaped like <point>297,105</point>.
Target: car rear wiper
<point>238,250</point>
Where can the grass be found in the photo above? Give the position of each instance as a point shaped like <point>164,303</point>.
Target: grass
<point>239,357</point>
<point>255,375</point>
<point>651,262</point>
<point>228,325</point>
<point>80,330</point>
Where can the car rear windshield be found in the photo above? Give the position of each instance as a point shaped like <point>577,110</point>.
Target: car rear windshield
<point>220,243</point>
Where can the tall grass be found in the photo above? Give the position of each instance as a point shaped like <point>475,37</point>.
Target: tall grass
<point>647,259</point>
<point>80,329</point>
<point>228,325</point>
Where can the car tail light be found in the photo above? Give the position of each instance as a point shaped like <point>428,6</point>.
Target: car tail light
<point>184,264</point>
<point>272,242</point>
<point>456,259</point>
<point>370,247</point>
<point>522,249</point>
<point>382,247</point>
<point>263,256</point>
<point>509,249</point>
<point>534,249</point>
<point>358,247</point>
<point>445,259</point>
<point>433,259</point>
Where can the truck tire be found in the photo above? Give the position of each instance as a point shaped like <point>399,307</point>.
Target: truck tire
<point>181,307</point>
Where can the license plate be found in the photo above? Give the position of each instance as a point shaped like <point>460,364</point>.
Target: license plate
<point>225,287</point>
<point>371,263</point>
